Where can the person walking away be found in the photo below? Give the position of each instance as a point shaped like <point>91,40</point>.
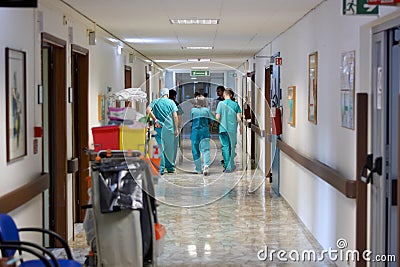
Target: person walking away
<point>229,115</point>
<point>172,96</point>
<point>201,118</point>
<point>163,111</point>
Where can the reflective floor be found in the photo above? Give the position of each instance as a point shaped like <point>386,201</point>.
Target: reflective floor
<point>222,219</point>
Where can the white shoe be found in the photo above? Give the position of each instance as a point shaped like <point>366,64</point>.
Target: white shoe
<point>205,170</point>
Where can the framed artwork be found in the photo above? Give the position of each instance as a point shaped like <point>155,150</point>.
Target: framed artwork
<point>16,104</point>
<point>292,106</point>
<point>347,70</point>
<point>312,87</point>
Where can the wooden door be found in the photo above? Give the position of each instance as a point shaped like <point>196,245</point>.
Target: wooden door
<point>55,127</point>
<point>80,124</point>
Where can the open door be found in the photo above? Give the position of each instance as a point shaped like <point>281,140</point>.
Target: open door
<point>80,125</point>
<point>267,121</point>
<point>385,136</point>
<point>55,135</point>
<point>275,97</point>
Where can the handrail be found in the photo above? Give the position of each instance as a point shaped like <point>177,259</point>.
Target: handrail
<point>346,186</point>
<point>257,130</point>
<point>23,194</point>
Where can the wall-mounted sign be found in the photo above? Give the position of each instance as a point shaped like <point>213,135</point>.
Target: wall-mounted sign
<point>359,7</point>
<point>199,73</point>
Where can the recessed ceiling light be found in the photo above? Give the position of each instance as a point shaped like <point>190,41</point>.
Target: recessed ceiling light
<point>199,60</point>
<point>200,68</point>
<point>194,21</point>
<point>199,47</point>
<point>168,60</point>
<point>193,78</point>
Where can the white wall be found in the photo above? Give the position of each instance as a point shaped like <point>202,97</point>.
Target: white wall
<point>20,30</point>
<point>17,32</point>
<point>326,213</point>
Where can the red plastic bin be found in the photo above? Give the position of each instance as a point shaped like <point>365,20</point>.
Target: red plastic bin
<point>105,137</point>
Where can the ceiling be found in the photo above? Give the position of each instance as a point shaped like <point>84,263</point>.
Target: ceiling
<point>245,26</point>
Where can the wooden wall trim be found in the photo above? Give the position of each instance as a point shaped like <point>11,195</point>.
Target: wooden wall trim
<point>361,194</point>
<point>79,49</point>
<point>346,186</point>
<point>48,38</point>
<point>23,194</point>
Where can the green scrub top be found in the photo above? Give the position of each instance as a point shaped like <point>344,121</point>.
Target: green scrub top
<point>228,110</point>
<point>163,108</point>
<point>201,119</point>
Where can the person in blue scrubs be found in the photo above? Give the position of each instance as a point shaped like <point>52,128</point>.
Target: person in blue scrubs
<point>163,111</point>
<point>229,115</point>
<point>201,118</point>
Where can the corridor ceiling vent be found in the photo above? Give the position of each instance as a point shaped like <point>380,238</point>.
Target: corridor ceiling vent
<point>198,47</point>
<point>194,21</point>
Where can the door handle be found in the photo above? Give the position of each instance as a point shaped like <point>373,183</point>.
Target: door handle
<point>376,167</point>
<point>373,167</point>
<point>368,165</point>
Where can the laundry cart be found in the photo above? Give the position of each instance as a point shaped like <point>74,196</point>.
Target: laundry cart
<point>123,209</point>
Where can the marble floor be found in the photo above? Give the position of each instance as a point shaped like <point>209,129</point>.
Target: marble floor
<point>223,219</point>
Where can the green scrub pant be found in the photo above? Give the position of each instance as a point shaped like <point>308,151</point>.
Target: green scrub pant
<point>165,140</point>
<point>228,145</point>
<point>203,147</point>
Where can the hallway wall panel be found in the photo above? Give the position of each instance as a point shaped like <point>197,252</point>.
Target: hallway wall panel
<point>327,213</point>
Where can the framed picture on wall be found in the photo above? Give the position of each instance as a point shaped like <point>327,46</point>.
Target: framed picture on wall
<point>292,106</point>
<point>15,104</point>
<point>312,87</point>
<point>347,72</point>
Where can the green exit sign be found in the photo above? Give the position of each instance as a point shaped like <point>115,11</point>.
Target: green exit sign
<point>199,73</point>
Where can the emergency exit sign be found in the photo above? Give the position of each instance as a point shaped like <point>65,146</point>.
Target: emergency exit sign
<point>359,7</point>
<point>199,73</point>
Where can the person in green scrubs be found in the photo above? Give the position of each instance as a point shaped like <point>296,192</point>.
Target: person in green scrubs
<point>201,118</point>
<point>163,111</point>
<point>229,115</point>
<point>177,141</point>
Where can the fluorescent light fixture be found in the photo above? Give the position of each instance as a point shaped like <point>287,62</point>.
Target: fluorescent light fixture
<point>199,47</point>
<point>199,60</point>
<point>194,21</point>
<point>193,78</point>
<point>113,40</point>
<point>200,68</point>
<point>169,60</point>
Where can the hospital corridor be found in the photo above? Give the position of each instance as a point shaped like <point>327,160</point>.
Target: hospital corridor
<point>207,133</point>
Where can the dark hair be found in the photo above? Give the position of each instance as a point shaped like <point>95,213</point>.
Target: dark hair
<point>172,93</point>
<point>205,94</point>
<point>229,92</point>
<point>196,94</point>
<point>220,87</point>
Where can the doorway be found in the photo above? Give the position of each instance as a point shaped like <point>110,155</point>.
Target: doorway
<point>267,121</point>
<point>275,98</point>
<point>55,135</point>
<point>80,130</point>
<point>383,188</point>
